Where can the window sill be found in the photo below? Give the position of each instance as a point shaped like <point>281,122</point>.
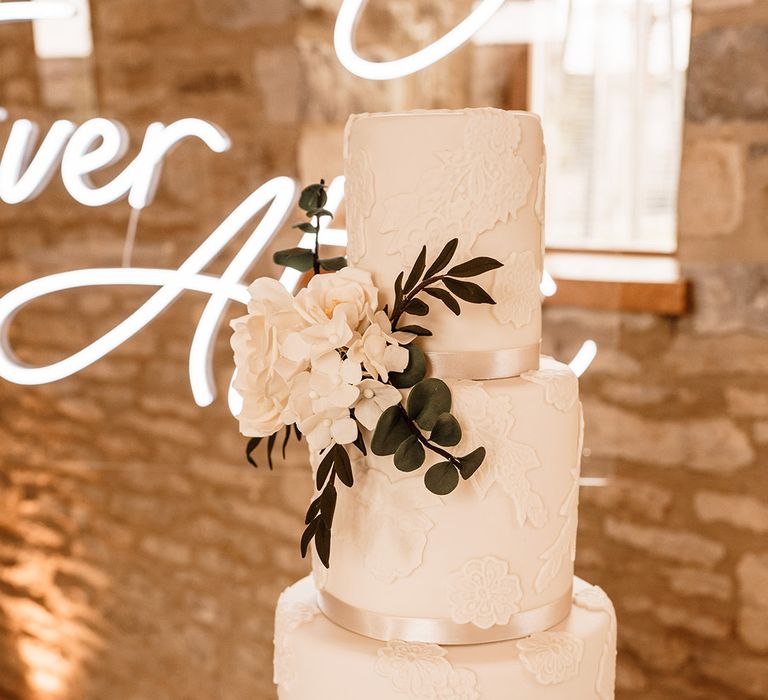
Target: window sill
<point>618,282</point>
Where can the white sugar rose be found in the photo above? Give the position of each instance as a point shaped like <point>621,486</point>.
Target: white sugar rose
<point>264,373</point>
<point>375,398</point>
<point>350,291</point>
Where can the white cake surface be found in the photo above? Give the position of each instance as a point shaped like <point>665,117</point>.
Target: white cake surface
<point>317,660</point>
<point>507,533</point>
<point>424,177</point>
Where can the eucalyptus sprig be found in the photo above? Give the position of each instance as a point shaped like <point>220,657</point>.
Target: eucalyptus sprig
<point>312,201</point>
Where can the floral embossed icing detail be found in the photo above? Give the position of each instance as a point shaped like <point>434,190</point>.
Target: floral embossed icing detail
<point>423,672</point>
<point>471,189</point>
<point>484,593</point>
<point>561,386</point>
<point>594,598</point>
<point>516,290</point>
<point>488,421</point>
<point>552,657</point>
<point>360,197</point>
<point>564,546</point>
<point>289,617</point>
<point>388,523</point>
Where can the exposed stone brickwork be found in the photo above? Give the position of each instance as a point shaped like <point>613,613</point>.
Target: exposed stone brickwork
<point>140,558</point>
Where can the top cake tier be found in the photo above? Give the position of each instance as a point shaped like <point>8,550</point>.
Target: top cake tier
<point>425,177</point>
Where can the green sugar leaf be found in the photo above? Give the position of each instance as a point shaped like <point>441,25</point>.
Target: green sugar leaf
<point>442,260</point>
<point>391,431</point>
<point>414,372</point>
<point>474,267</point>
<point>297,258</point>
<point>446,297</point>
<point>410,455</point>
<point>447,431</point>
<point>441,478</point>
<point>468,291</point>
<point>427,401</point>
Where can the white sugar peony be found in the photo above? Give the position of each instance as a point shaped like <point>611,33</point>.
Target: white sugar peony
<point>264,373</point>
<point>334,425</point>
<point>349,291</point>
<point>378,350</point>
<point>375,398</point>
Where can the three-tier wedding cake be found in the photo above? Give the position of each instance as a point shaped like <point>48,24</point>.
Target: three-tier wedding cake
<point>469,595</point>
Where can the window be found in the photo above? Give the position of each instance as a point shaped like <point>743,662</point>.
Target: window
<point>608,79</point>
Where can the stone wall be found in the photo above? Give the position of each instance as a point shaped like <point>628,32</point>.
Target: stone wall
<point>140,558</point>
<point>677,409</point>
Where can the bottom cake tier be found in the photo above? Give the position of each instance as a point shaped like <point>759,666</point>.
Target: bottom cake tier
<point>317,660</point>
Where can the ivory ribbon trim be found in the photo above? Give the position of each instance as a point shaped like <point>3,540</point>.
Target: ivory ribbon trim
<point>438,630</point>
<point>484,364</point>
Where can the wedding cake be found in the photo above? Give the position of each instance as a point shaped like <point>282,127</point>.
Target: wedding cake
<point>464,590</point>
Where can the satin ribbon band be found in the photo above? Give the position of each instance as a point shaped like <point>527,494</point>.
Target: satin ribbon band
<point>441,631</point>
<point>484,364</point>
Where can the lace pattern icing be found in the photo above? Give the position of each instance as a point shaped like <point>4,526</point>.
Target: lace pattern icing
<point>488,421</point>
<point>564,547</point>
<point>290,615</point>
<point>484,593</point>
<point>360,197</point>
<point>551,657</point>
<point>516,290</point>
<point>469,190</point>
<point>422,672</point>
<point>594,598</point>
<point>561,386</point>
<point>386,520</point>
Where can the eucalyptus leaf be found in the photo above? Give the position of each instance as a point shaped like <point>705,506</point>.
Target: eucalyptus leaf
<point>446,297</point>
<point>475,267</point>
<point>323,542</point>
<point>416,307</point>
<point>398,290</point>
<point>359,443</point>
<point>410,455</point>
<point>324,469</point>
<point>468,291</point>
<point>447,431</point>
<point>307,536</point>
<point>333,264</point>
<point>328,504</point>
<point>471,462</point>
<point>416,271</point>
<point>299,259</point>
<point>313,197</point>
<point>320,212</point>
<point>305,227</point>
<point>342,465</point>
<point>441,478</point>
<point>414,372</point>
<point>416,330</point>
<point>427,401</point>
<point>391,430</point>
<point>442,260</point>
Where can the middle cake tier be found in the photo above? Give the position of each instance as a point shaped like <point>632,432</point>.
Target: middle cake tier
<point>494,559</point>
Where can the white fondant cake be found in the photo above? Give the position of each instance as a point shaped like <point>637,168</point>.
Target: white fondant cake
<point>491,561</point>
<point>422,178</point>
<point>316,659</point>
<point>402,551</point>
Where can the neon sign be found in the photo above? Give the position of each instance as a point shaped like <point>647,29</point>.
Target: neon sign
<point>80,151</point>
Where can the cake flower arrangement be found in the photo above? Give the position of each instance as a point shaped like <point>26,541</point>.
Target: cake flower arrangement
<point>329,364</point>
